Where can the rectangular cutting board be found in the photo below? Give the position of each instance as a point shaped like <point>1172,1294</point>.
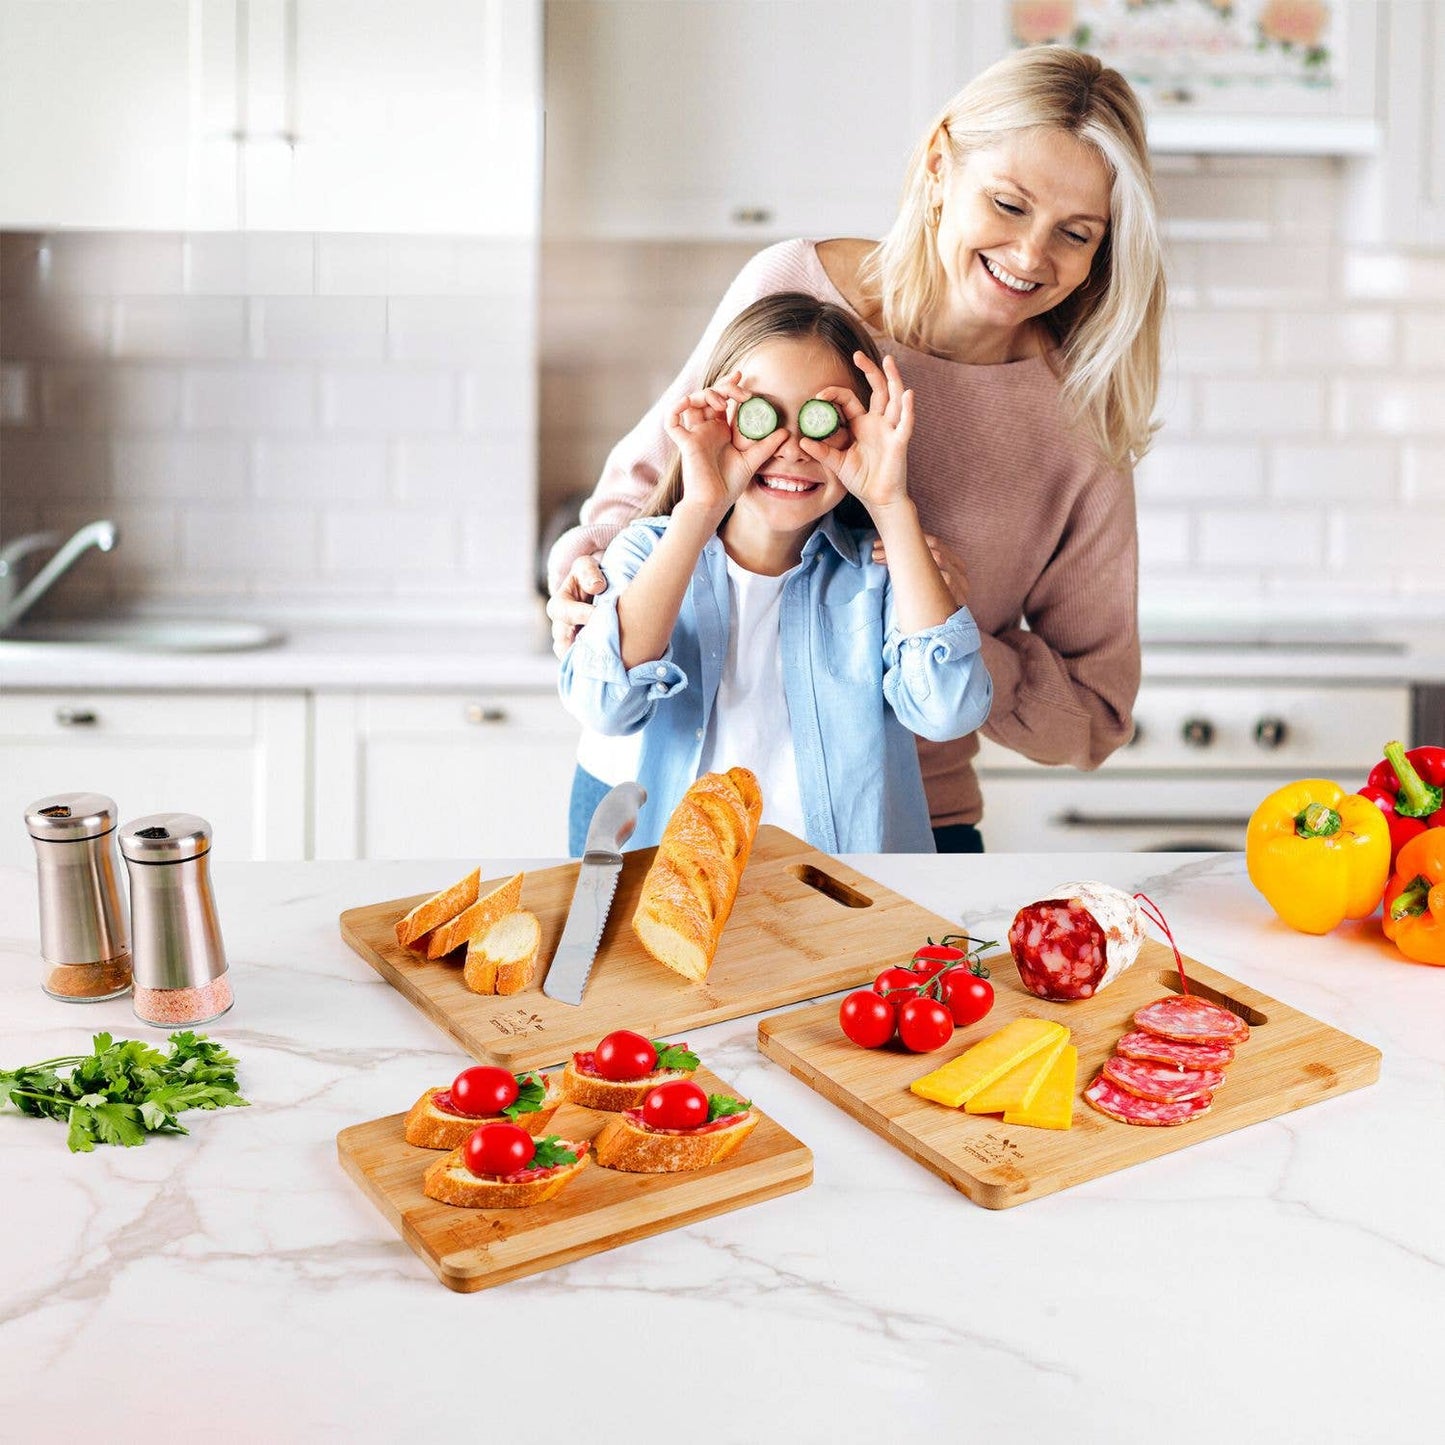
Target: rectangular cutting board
<point>473,1249</point>
<point>1290,1060</point>
<point>803,925</point>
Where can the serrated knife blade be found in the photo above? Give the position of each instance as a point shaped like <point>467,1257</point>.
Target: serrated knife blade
<point>612,825</point>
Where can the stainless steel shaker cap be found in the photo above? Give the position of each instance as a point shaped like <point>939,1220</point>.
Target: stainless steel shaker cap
<point>69,817</point>
<point>165,838</point>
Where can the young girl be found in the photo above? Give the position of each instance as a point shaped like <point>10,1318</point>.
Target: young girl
<point>745,621</point>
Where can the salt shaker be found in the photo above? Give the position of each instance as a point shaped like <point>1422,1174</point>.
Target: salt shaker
<point>180,962</point>
<point>83,931</point>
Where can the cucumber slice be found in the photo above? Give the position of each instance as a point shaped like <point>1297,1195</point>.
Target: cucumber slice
<point>757,418</point>
<point>818,419</point>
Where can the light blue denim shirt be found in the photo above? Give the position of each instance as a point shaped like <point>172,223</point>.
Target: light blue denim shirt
<point>857,690</point>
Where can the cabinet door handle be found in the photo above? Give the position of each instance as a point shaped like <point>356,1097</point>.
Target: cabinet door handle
<point>752,215</point>
<point>1075,819</point>
<point>76,717</point>
<point>485,713</point>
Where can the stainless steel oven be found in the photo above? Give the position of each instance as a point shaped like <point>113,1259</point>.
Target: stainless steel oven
<point>1204,753</point>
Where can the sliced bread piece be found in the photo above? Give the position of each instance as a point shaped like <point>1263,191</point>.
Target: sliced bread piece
<point>449,1181</point>
<point>503,959</point>
<point>504,898</point>
<point>438,909</point>
<point>626,1144</point>
<point>431,1127</point>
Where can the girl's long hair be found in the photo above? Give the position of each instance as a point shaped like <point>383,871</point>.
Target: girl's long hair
<point>1108,331</point>
<point>790,315</point>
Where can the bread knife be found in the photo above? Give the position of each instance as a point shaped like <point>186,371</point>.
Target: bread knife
<point>612,825</point>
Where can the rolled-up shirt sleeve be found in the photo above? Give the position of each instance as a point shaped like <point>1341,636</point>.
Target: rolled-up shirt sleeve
<point>935,680</point>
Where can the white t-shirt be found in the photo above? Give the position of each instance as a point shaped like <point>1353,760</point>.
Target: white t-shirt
<point>749,726</point>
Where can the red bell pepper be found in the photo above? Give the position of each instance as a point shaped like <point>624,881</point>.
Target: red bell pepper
<point>1409,789</point>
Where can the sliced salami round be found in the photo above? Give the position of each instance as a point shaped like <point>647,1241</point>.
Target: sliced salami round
<point>1129,1108</point>
<point>1191,1020</point>
<point>1161,1082</point>
<point>1137,1044</point>
<point>1076,941</point>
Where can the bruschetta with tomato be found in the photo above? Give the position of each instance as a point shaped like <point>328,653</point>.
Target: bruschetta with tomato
<point>446,1116</point>
<point>623,1069</point>
<point>677,1127</point>
<point>501,1166</point>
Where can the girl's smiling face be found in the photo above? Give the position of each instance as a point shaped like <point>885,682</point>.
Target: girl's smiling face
<point>790,492</point>
<point>1022,220</point>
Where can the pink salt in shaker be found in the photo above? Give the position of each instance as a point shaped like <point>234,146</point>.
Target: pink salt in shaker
<point>176,950</point>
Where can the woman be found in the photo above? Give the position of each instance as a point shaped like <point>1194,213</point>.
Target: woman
<point>1021,291</point>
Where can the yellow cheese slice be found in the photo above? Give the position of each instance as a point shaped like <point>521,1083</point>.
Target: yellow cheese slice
<point>1016,1089</point>
<point>1052,1107</point>
<point>991,1058</point>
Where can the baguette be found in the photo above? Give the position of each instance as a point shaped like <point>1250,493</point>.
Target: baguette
<point>504,958</point>
<point>431,1128</point>
<point>479,917</point>
<point>612,1095</point>
<point>625,1144</point>
<point>449,1181</point>
<point>692,884</point>
<point>440,908</point>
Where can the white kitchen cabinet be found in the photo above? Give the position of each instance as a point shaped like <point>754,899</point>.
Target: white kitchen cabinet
<point>738,119</point>
<point>306,115</point>
<point>442,775</point>
<point>237,759</point>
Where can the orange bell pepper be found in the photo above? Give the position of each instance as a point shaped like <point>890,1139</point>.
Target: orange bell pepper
<point>1414,917</point>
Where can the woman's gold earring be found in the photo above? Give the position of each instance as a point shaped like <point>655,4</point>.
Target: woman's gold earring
<point>933,215</point>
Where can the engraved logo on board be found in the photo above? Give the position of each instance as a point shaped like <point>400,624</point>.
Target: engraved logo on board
<point>993,1150</point>
<point>523,1021</point>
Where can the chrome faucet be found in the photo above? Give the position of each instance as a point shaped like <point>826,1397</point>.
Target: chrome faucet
<point>13,605</point>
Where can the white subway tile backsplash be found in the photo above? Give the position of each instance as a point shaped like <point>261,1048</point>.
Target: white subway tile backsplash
<point>1164,538</point>
<point>1381,537</point>
<point>110,395</point>
<point>351,265</point>
<point>319,469</point>
<point>111,264</point>
<point>1200,471</point>
<point>462,470</point>
<point>388,400</point>
<point>1399,407</point>
<point>1255,539</point>
<point>1424,472</point>
<point>1201,204</point>
<point>1200,341</point>
<point>1262,406</point>
<point>1390,276</point>
<point>1308,341</point>
<point>179,328</point>
<point>381,541</point>
<point>1424,333</point>
<point>318,328</point>
<point>250,397</point>
<point>179,467</point>
<point>1333,471</point>
<point>1266,274</point>
<point>38,328</point>
<point>495,399</point>
<point>259,541</point>
<point>458,328</point>
<point>279,265</point>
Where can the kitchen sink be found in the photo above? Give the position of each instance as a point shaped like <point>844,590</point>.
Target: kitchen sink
<point>148,634</point>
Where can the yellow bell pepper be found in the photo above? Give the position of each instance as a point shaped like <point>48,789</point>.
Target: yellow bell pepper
<point>1318,854</point>
<point>1415,899</point>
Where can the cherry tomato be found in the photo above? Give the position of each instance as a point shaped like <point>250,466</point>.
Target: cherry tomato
<point>481,1091</point>
<point>678,1104</point>
<point>867,1018</point>
<point>892,979</point>
<point>498,1149</point>
<point>967,993</point>
<point>924,1025</point>
<point>625,1055</point>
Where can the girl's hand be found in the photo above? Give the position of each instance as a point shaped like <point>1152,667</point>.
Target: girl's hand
<point>874,466</point>
<point>715,472</point>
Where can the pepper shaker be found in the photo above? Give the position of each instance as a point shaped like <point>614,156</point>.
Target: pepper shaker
<point>180,961</point>
<point>83,927</point>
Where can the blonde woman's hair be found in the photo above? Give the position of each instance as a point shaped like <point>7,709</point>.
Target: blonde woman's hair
<point>1108,331</point>
<point>784,315</point>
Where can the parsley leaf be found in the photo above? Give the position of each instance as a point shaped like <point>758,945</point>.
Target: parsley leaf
<point>552,1152</point>
<point>531,1094</point>
<point>719,1106</point>
<point>674,1056</point>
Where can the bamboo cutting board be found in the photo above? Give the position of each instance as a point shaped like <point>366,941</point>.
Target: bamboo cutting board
<point>803,925</point>
<point>473,1249</point>
<point>1290,1060</point>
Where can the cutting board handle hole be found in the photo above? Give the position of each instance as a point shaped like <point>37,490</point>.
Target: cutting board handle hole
<point>829,886</point>
<point>1252,1016</point>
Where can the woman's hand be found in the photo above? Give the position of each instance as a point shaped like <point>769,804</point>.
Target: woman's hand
<point>874,466</point>
<point>715,472</point>
<point>955,576</point>
<point>570,606</point>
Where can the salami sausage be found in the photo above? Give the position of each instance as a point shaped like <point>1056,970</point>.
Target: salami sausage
<point>1137,1044</point>
<point>1191,1020</point>
<point>1161,1082</point>
<point>1077,941</point>
<point>1129,1108</point>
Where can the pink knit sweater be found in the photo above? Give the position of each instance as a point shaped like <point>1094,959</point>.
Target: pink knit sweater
<point>1044,528</point>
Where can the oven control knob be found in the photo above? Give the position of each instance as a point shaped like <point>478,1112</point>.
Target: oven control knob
<point>1136,737</point>
<point>1198,732</point>
<point>1271,732</point>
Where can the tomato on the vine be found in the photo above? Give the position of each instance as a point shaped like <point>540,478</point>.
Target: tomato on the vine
<point>680,1104</point>
<point>483,1090</point>
<point>967,993</point>
<point>624,1055</point>
<point>924,1024</point>
<point>498,1149</point>
<point>867,1018</point>
<point>891,980</point>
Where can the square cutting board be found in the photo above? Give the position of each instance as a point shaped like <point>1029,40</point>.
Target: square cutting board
<point>1290,1060</point>
<point>803,925</point>
<point>473,1249</point>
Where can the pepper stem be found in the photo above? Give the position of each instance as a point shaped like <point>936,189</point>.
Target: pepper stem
<point>1318,820</point>
<point>1413,899</point>
<point>1417,799</point>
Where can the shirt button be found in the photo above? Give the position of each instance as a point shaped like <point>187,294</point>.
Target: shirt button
<point>661,670</point>
<point>698,735</point>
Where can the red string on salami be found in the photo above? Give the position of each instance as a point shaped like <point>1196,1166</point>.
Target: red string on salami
<point>1153,912</point>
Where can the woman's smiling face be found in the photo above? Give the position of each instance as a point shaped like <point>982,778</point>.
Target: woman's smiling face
<point>1021,223</point>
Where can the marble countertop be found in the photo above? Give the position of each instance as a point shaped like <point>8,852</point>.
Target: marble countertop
<point>1283,1282</point>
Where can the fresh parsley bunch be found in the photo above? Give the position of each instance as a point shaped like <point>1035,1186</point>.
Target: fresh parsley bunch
<point>121,1092</point>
